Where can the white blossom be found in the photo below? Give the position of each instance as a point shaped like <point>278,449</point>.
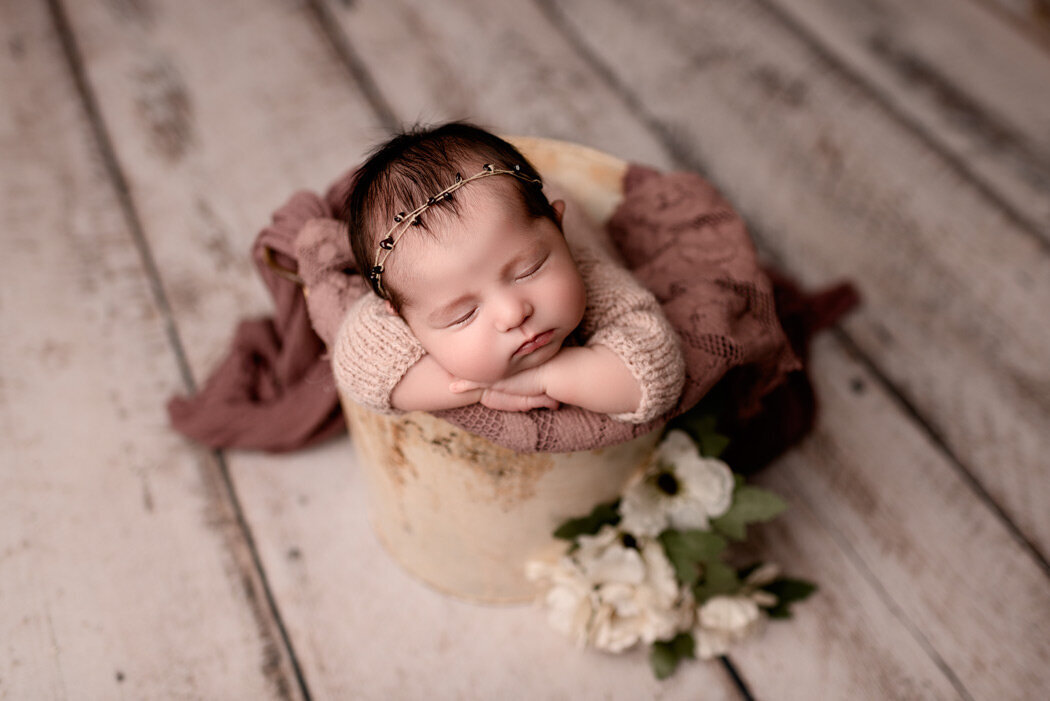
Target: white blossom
<point>682,490</point>
<point>567,599</point>
<point>723,621</point>
<point>611,595</point>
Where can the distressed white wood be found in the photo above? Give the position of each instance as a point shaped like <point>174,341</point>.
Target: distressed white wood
<point>1031,18</point>
<point>955,295</point>
<point>122,573</point>
<point>906,520</point>
<point>961,75</point>
<point>508,71</point>
<point>445,27</point>
<point>364,22</point>
<point>360,627</point>
<point>220,111</point>
<point>844,641</point>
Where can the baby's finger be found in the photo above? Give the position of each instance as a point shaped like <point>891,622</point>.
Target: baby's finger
<point>502,401</point>
<point>464,386</point>
<point>542,401</point>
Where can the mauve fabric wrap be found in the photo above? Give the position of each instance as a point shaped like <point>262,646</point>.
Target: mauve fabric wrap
<point>676,234</point>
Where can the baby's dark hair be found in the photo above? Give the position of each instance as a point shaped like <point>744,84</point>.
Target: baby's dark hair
<point>404,172</point>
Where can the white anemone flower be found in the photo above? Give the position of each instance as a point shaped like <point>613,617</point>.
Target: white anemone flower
<point>682,490</point>
<point>723,621</point>
<point>568,597</point>
<point>613,592</point>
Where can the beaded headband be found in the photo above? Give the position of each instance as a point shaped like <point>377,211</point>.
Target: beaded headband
<point>403,221</point>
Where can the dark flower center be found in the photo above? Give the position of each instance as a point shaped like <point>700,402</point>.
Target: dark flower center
<point>629,541</point>
<point>667,483</point>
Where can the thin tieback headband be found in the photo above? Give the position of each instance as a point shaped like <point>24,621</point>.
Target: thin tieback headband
<point>404,220</point>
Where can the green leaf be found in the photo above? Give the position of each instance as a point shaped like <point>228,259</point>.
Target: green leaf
<point>703,423</point>
<point>713,444</point>
<point>787,592</point>
<point>750,504</point>
<point>591,523</point>
<point>702,428</point>
<point>695,423</point>
<point>688,549</point>
<point>666,654</point>
<point>719,578</point>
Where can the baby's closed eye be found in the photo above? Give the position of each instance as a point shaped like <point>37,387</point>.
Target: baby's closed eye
<point>533,268</point>
<point>464,319</point>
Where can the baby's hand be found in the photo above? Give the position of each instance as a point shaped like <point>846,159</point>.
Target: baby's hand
<point>591,377</point>
<point>519,392</point>
<point>504,401</point>
<point>527,383</point>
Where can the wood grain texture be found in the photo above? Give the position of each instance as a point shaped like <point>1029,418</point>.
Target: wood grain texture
<point>944,564</point>
<point>122,572</point>
<point>220,110</point>
<point>510,72</point>
<point>447,28</point>
<point>960,75</point>
<point>281,115</point>
<point>954,294</point>
<point>216,124</point>
<point>846,640</point>
<point>1030,18</point>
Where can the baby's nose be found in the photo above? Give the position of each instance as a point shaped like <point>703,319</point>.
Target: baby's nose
<point>514,313</point>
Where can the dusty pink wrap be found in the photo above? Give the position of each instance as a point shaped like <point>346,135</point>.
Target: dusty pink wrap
<point>678,236</point>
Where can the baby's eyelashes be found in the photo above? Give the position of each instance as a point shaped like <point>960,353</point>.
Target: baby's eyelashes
<point>465,318</point>
<point>533,269</point>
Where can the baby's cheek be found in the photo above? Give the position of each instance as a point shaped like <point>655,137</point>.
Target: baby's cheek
<point>572,298</point>
<point>473,359</point>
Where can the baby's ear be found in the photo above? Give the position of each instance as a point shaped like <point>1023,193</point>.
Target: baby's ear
<point>559,209</point>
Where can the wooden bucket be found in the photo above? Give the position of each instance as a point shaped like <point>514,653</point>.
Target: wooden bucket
<point>463,514</point>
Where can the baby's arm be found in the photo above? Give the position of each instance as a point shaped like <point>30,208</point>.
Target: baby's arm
<point>625,319</point>
<point>592,377</point>
<point>380,364</point>
<point>373,351</point>
<point>425,387</point>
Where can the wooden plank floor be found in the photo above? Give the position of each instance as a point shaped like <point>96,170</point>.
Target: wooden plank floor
<point>903,145</point>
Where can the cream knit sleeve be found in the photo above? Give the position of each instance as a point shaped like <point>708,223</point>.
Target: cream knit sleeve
<point>373,351</point>
<point>626,318</point>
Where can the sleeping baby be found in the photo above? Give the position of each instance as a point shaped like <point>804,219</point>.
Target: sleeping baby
<point>485,290</point>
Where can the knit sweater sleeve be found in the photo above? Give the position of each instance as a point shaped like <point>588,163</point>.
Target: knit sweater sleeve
<point>626,318</point>
<point>373,351</point>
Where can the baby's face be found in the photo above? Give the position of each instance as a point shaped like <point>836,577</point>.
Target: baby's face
<point>494,293</point>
